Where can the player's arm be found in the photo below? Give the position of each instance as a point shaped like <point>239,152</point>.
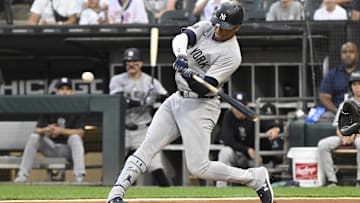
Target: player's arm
<point>42,131</point>
<point>270,16</point>
<point>181,42</point>
<point>67,131</point>
<point>188,37</point>
<point>326,100</point>
<point>199,7</point>
<point>271,128</point>
<point>33,19</point>
<point>162,93</point>
<point>71,20</point>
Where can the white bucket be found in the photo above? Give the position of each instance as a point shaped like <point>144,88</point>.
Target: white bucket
<point>305,167</point>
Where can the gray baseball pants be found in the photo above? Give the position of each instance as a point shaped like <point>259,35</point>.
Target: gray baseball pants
<point>326,162</point>
<point>73,150</point>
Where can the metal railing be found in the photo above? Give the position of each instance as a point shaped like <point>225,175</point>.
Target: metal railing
<point>296,103</point>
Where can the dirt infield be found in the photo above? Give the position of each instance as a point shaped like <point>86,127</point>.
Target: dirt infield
<point>199,200</point>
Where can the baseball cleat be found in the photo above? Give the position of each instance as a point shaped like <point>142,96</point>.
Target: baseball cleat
<point>21,179</point>
<point>265,191</point>
<point>116,200</point>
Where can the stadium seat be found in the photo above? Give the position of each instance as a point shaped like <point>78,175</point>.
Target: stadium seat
<point>310,8</point>
<point>151,17</point>
<point>177,17</point>
<point>254,10</point>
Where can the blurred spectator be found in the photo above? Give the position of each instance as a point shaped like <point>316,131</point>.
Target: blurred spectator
<point>94,12</point>
<point>158,7</point>
<point>356,10</point>
<point>330,11</point>
<point>127,12</point>
<point>338,2</point>
<point>334,86</point>
<point>51,12</point>
<point>204,9</point>
<point>285,10</point>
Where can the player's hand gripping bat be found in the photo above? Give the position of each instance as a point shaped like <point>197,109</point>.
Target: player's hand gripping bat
<point>250,114</point>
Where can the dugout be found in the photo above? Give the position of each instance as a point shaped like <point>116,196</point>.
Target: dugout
<point>110,107</point>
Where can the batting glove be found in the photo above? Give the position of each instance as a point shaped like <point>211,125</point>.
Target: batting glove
<point>187,74</point>
<point>181,63</point>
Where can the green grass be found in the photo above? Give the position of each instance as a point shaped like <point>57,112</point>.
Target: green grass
<point>31,192</point>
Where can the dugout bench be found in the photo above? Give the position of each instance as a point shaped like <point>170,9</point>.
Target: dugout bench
<point>14,136</point>
<point>111,107</point>
<point>303,134</point>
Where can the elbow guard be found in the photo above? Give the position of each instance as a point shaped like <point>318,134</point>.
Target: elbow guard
<point>199,88</point>
<point>191,37</point>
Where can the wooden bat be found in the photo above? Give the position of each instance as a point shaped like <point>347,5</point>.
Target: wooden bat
<point>250,114</point>
<point>154,40</point>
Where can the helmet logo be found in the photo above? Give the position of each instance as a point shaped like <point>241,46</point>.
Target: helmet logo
<point>131,53</point>
<point>222,16</point>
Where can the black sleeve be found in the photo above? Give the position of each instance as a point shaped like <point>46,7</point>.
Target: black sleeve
<point>132,103</point>
<point>79,122</point>
<point>229,133</point>
<point>42,121</point>
<point>199,88</point>
<point>191,36</point>
<point>161,97</point>
<point>265,125</point>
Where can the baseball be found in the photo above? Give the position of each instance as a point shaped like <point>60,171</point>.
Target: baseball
<point>87,77</point>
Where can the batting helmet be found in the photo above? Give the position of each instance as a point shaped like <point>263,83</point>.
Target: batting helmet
<point>354,76</point>
<point>132,54</point>
<point>228,15</point>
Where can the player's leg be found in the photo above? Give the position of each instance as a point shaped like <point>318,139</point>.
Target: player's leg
<point>34,143</point>
<point>326,163</point>
<point>196,135</point>
<point>225,156</point>
<point>195,125</point>
<point>357,145</point>
<point>156,167</point>
<point>77,150</point>
<point>162,131</point>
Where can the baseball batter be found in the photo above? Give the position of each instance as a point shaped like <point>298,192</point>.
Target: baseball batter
<point>141,92</point>
<point>210,50</point>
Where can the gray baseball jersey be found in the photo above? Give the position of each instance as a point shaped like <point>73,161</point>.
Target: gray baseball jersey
<point>136,90</point>
<point>141,116</point>
<point>195,118</point>
<point>209,57</point>
<point>192,118</point>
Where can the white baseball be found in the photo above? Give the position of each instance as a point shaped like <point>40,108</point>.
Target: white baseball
<point>87,77</point>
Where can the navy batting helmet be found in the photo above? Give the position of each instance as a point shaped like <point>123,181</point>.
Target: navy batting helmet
<point>132,54</point>
<point>228,15</point>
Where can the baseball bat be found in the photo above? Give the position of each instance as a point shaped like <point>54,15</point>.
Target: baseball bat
<point>154,40</point>
<point>250,114</point>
